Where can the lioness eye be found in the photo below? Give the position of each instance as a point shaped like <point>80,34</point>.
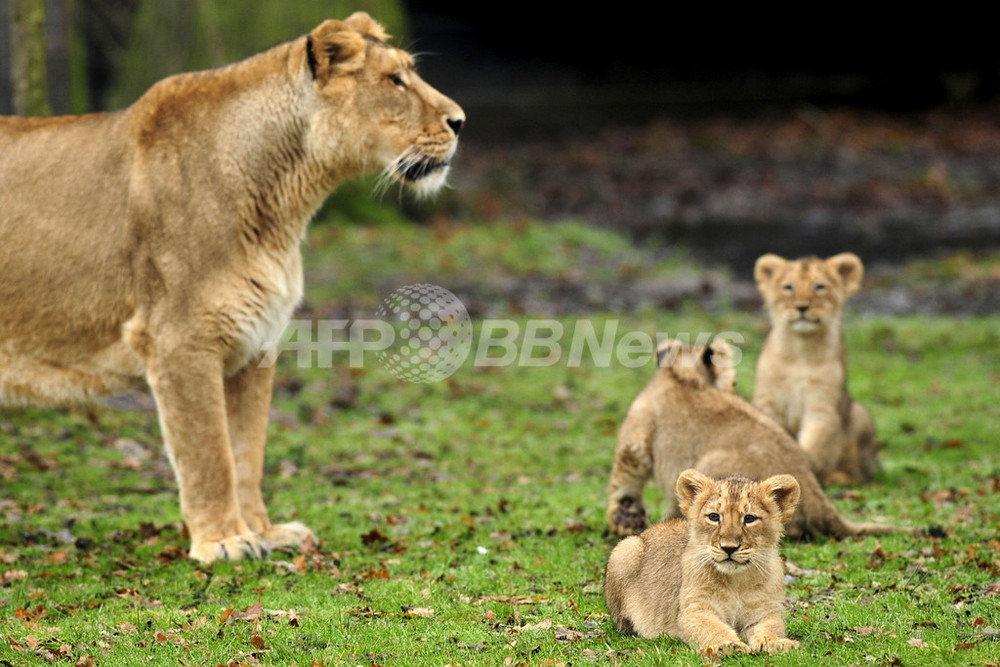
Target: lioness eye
<point>397,81</point>
<point>714,518</point>
<point>749,518</point>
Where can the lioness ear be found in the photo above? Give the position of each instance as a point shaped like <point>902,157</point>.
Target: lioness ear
<point>366,25</point>
<point>690,484</point>
<point>766,268</point>
<point>848,266</point>
<point>785,491</point>
<point>334,48</point>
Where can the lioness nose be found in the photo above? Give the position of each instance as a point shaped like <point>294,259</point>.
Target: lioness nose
<point>730,550</point>
<point>456,124</point>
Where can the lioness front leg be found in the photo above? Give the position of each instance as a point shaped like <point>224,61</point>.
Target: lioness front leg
<point>631,469</point>
<point>188,386</point>
<point>248,402</point>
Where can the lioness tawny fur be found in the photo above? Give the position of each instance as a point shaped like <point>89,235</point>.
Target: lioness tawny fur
<point>160,243</point>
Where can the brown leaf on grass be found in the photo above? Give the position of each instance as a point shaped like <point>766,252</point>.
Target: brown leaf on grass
<point>419,612</point>
<point>866,630</point>
<point>257,642</point>
<point>545,624</point>
<point>374,536</point>
<point>916,642</point>
<point>251,613</point>
<point>10,576</point>
<point>372,573</point>
<point>877,558</point>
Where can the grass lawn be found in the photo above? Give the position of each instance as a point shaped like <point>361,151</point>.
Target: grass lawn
<point>463,521</point>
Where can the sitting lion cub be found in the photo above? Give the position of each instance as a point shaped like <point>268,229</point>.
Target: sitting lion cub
<point>714,575</point>
<point>689,416</point>
<point>802,374</point>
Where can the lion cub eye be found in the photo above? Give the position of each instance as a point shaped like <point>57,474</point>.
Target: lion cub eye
<point>749,518</point>
<point>820,287</point>
<point>787,288</point>
<point>714,517</point>
<point>397,81</point>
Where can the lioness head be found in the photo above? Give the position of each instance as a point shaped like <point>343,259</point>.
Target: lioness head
<point>807,294</point>
<point>736,522</point>
<point>369,94</point>
<point>699,365</point>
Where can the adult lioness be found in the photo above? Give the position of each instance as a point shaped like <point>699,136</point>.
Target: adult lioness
<point>161,243</point>
<point>802,370</point>
<point>689,416</point>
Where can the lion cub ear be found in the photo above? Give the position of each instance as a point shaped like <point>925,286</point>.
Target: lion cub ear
<point>691,484</point>
<point>785,491</point>
<point>718,360</point>
<point>848,266</point>
<point>334,48</point>
<point>766,268</point>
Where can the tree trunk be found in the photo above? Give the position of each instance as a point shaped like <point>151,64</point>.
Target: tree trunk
<point>27,41</point>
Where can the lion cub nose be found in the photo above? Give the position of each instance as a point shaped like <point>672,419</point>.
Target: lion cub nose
<point>730,550</point>
<point>456,124</point>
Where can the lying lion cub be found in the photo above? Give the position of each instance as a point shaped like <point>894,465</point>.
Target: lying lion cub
<point>689,416</point>
<point>802,373</point>
<point>160,244</point>
<point>714,575</point>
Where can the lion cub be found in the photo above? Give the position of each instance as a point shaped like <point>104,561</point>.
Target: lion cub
<point>690,416</point>
<point>802,372</point>
<point>714,575</point>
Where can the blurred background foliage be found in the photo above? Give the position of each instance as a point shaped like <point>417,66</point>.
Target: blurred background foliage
<point>216,32</point>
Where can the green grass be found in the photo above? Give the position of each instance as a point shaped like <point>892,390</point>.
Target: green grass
<point>463,521</point>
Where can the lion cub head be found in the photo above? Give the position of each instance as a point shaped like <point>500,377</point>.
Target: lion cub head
<point>370,91</point>
<point>807,295</point>
<point>735,523</point>
<point>699,365</point>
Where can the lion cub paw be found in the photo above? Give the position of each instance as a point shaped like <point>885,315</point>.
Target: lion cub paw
<point>293,534</point>
<point>237,547</point>
<point>725,648</point>
<point>628,518</point>
<point>773,645</point>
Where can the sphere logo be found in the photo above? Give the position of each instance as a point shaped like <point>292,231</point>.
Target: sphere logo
<point>433,333</point>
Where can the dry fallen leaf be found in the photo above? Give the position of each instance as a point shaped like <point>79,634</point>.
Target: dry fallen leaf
<point>420,612</point>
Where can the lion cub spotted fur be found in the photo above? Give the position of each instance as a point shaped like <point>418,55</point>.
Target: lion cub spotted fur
<point>690,416</point>
<point>802,371</point>
<point>717,573</point>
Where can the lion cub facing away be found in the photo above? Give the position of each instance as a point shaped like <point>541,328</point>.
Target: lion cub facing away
<point>802,369</point>
<point>708,577</point>
<point>690,416</point>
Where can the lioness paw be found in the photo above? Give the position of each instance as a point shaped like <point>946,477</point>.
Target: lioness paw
<point>237,547</point>
<point>293,534</point>
<point>773,644</point>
